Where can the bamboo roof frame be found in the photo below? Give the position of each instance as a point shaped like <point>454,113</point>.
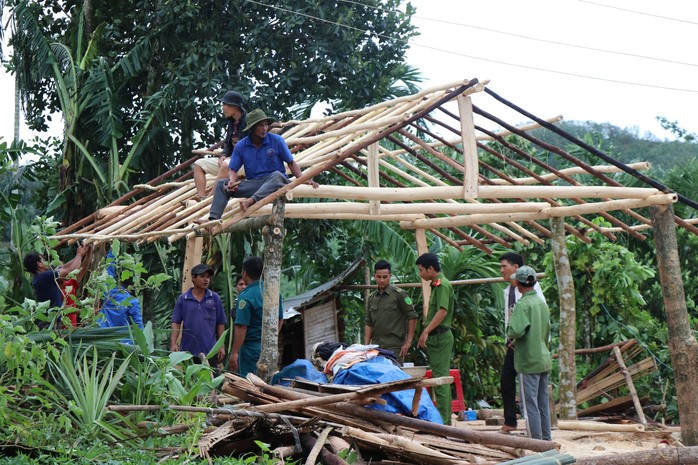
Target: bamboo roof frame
<point>426,161</point>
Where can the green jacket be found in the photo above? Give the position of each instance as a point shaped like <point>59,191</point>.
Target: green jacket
<point>529,327</point>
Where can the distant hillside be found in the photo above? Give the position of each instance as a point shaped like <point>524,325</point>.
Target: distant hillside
<point>626,144</point>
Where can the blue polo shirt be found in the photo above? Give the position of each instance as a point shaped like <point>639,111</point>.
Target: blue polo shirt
<point>200,319</point>
<point>249,311</point>
<point>262,161</point>
<point>45,288</point>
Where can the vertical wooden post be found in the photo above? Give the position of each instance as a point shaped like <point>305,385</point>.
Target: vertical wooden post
<point>273,235</point>
<point>631,385</point>
<point>568,320</point>
<point>374,206</point>
<point>421,249</point>
<point>192,257</point>
<point>470,162</point>
<point>683,347</point>
<point>367,292</point>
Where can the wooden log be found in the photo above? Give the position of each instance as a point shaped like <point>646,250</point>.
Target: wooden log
<point>597,426</point>
<point>192,257</point>
<point>683,347</point>
<point>568,323</point>
<point>667,456</point>
<point>535,445</point>
<point>273,235</point>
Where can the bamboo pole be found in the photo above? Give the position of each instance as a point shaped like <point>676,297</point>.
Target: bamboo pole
<point>192,257</point>
<point>373,176</point>
<point>535,445</point>
<point>631,386</point>
<point>553,212</point>
<point>484,192</point>
<point>422,248</point>
<point>470,164</point>
<point>575,170</point>
<point>434,208</point>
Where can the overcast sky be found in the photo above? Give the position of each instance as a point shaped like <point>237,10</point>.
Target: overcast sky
<point>554,57</point>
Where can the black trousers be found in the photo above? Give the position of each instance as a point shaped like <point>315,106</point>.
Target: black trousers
<point>507,386</point>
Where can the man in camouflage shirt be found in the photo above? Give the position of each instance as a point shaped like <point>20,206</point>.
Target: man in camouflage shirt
<point>390,317</point>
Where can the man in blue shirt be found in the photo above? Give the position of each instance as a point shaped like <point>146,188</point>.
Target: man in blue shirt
<point>262,155</point>
<point>247,339</point>
<point>198,316</point>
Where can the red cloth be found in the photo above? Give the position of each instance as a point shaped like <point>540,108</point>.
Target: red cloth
<point>69,288</point>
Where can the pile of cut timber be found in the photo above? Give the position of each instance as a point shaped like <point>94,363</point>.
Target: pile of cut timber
<point>321,426</point>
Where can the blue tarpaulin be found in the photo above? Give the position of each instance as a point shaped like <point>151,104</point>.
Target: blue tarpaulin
<point>376,370</point>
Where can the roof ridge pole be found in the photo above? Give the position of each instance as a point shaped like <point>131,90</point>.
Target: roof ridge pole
<point>592,150</point>
<point>470,164</point>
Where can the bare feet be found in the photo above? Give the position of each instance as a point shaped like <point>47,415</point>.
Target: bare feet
<point>247,203</point>
<point>507,429</point>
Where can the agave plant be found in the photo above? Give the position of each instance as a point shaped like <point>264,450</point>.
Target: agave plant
<point>84,387</point>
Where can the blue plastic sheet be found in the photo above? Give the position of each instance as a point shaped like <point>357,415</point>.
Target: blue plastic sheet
<point>301,368</point>
<point>381,370</point>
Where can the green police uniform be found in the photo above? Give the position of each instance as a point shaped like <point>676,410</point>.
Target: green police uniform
<point>387,315</point>
<point>440,342</point>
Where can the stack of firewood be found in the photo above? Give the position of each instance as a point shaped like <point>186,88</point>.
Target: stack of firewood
<point>329,426</point>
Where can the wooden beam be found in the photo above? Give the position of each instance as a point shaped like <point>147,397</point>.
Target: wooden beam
<point>192,257</point>
<point>631,385</point>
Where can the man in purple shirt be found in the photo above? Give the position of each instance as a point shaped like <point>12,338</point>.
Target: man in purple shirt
<point>198,316</point>
<point>262,155</point>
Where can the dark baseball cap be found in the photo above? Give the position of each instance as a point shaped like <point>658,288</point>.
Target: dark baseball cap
<point>234,98</point>
<point>200,269</point>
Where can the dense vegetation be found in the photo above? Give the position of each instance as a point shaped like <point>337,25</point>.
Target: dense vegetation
<point>137,89</point>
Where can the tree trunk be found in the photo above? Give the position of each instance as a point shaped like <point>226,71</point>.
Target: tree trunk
<point>683,347</point>
<point>668,456</point>
<point>273,235</point>
<point>568,320</point>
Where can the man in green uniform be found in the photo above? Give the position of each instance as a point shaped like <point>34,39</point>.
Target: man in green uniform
<point>247,339</point>
<point>437,338</point>
<point>390,316</point>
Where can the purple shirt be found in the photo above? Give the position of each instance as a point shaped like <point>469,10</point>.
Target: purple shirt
<point>262,161</point>
<point>200,319</point>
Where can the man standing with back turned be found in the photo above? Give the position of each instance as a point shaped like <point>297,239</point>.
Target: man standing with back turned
<point>390,316</point>
<point>509,263</point>
<point>529,329</point>
<point>437,338</point>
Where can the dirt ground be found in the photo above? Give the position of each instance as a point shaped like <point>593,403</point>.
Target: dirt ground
<point>581,444</point>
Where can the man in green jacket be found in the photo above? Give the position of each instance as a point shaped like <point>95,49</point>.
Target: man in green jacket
<point>529,328</point>
<point>436,337</point>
